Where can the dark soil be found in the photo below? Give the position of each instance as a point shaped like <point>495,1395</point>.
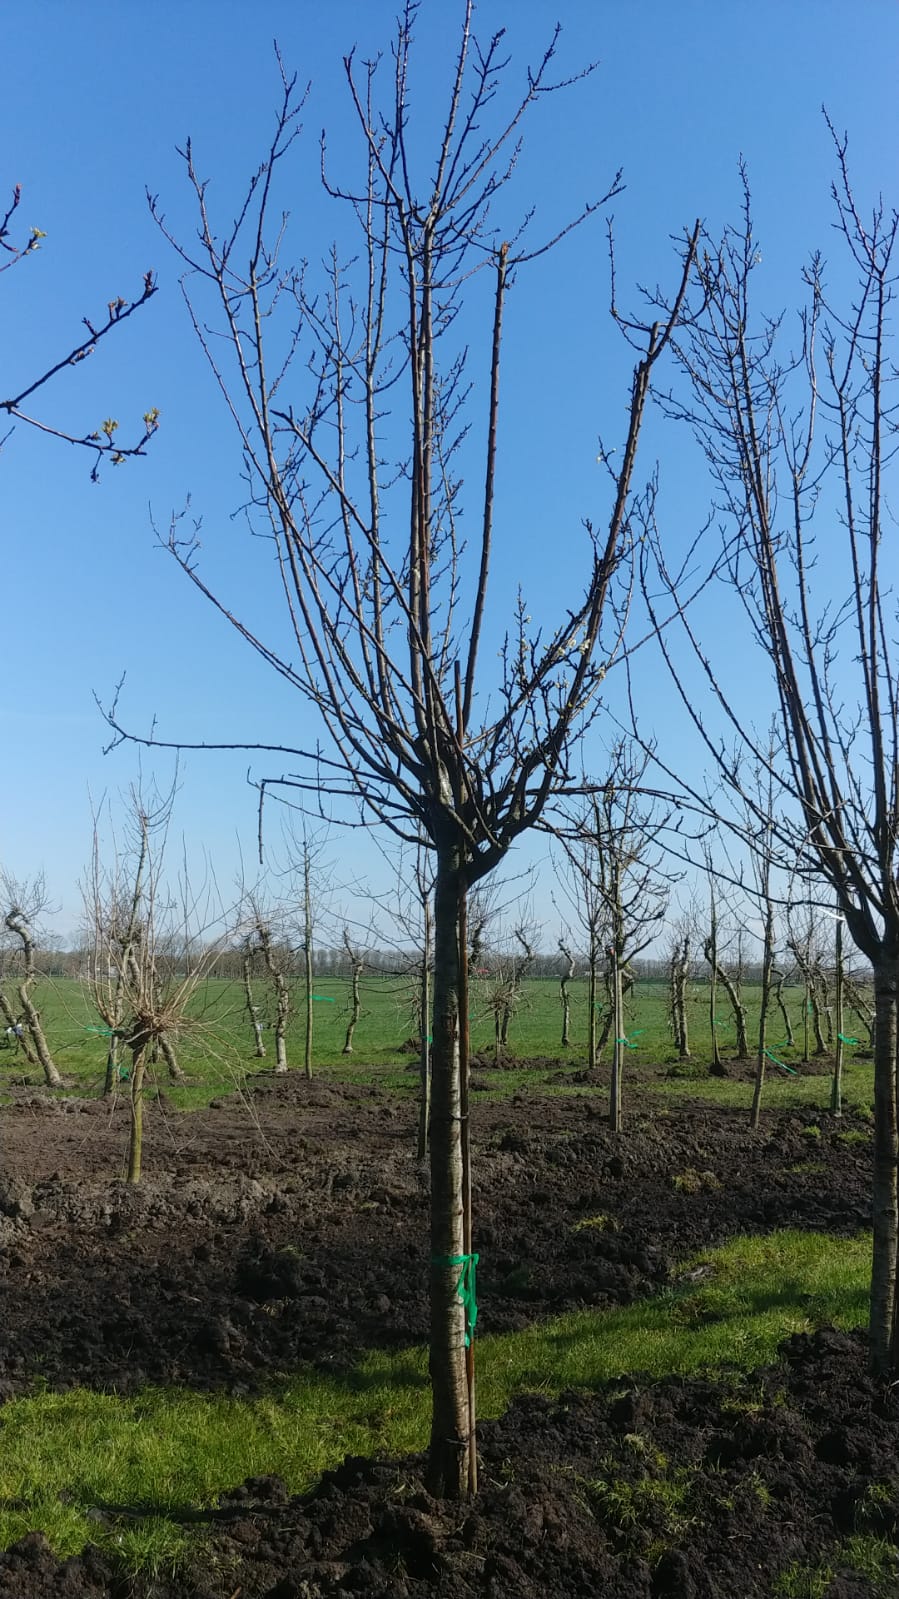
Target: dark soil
<point>292,1228</point>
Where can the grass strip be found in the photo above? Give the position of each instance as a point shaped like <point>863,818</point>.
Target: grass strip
<point>121,1472</point>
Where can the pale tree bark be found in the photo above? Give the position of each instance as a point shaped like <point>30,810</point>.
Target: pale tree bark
<point>22,904</point>
<point>274,960</point>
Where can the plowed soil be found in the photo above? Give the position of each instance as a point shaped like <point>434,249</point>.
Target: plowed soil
<point>291,1227</point>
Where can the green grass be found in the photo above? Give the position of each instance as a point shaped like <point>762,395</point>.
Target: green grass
<point>167,1452</point>
<point>216,1053</point>
<point>873,1558</point>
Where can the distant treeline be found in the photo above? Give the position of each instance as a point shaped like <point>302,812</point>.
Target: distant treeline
<point>334,962</point>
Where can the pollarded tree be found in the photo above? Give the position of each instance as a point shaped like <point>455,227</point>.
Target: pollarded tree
<point>21,906</point>
<point>135,925</point>
<point>352,404</point>
<point>801,445</point>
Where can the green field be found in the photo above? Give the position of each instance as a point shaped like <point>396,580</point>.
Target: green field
<point>216,1049</point>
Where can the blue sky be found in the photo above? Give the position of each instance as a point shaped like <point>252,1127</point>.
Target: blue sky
<point>95,103</point>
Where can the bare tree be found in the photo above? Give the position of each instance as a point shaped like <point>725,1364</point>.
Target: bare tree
<point>800,443</point>
<point>388,629</point>
<point>620,828</point>
<point>132,921</point>
<point>505,992</point>
<point>23,903</point>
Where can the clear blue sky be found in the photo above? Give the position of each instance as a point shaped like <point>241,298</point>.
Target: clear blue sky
<point>95,102</point>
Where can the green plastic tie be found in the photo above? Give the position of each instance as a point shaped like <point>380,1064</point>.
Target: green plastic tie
<point>844,1040</point>
<point>792,1071</point>
<point>324,999</point>
<point>465,1287</point>
<point>627,1041</point>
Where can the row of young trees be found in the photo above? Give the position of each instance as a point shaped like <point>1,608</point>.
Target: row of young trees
<point>354,416</point>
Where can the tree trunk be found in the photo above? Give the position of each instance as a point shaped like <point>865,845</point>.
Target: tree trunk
<point>136,1139</point>
<point>836,1089</point>
<point>820,1045</point>
<point>781,1005</point>
<point>591,1018</point>
<point>424,1104</point>
<point>13,1021</point>
<point>307,956</point>
<point>736,1004</point>
<point>448,1455</point>
<point>882,1346</point>
<point>41,1047</point>
<point>112,1064</point>
<point>176,1075</point>
<point>355,1012</point>
<point>282,1011</point>
<point>711,955</point>
<point>767,962</point>
<point>252,1012</point>
<point>564,995</point>
<point>618,1047</point>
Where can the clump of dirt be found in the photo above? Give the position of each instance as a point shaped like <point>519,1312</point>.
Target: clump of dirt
<point>292,1229</point>
<point>675,1490</point>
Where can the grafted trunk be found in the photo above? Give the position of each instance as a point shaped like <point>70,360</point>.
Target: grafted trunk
<point>448,1456</point>
<point>882,1346</point>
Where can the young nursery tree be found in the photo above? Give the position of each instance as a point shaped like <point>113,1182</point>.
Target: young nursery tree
<point>613,851</point>
<point>801,444</point>
<point>133,919</point>
<point>352,400</point>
